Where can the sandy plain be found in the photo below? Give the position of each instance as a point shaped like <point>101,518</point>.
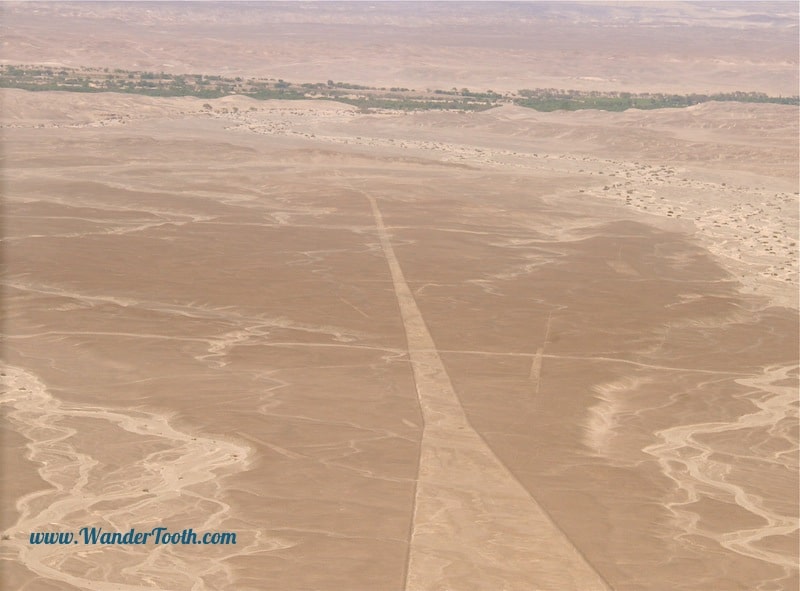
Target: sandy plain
<point>423,351</point>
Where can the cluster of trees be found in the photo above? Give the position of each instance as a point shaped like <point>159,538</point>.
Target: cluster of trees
<point>551,99</point>
<point>366,97</point>
<point>415,104</point>
<point>211,86</point>
<point>148,83</point>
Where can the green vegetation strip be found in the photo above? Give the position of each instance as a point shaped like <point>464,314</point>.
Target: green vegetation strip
<point>368,98</point>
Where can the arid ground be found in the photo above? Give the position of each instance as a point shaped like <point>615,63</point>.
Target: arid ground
<point>418,351</point>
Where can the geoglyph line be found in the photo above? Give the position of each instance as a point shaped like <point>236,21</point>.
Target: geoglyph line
<point>536,363</point>
<point>475,526</point>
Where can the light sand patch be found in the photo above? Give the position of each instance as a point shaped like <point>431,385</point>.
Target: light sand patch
<point>158,489</point>
<point>698,472</point>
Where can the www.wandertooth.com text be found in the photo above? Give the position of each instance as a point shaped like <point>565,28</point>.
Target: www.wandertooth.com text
<point>157,535</point>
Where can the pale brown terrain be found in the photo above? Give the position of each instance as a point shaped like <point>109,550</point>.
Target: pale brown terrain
<point>631,46</point>
<point>398,351</point>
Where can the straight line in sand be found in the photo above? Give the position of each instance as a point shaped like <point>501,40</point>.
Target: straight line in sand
<point>536,363</point>
<point>475,526</point>
<point>536,369</point>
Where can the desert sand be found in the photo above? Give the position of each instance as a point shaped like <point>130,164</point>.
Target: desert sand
<point>399,351</point>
